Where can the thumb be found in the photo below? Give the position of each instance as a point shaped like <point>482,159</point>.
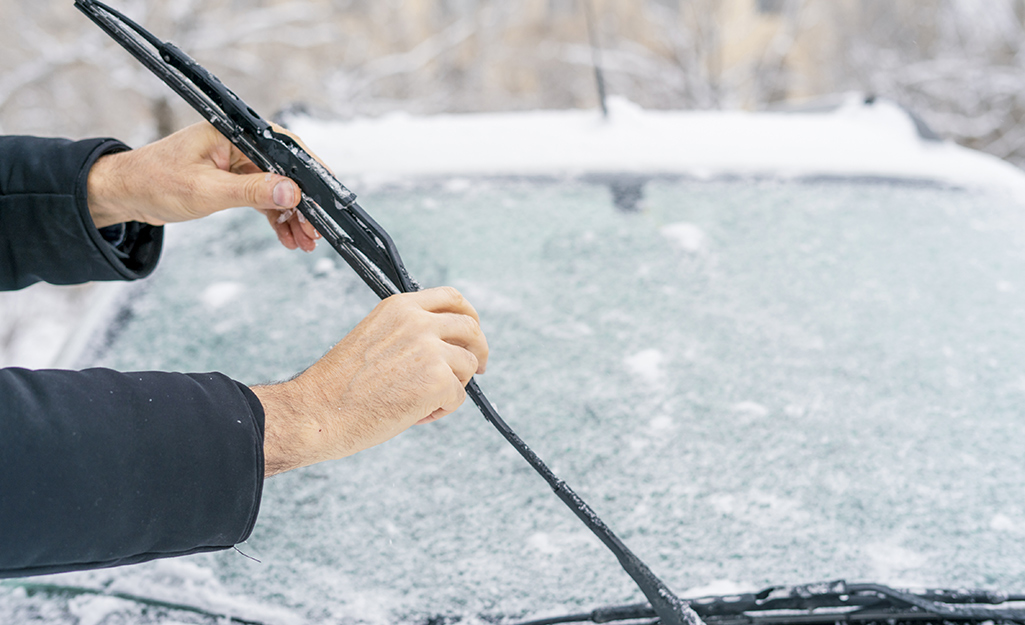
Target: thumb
<point>261,191</point>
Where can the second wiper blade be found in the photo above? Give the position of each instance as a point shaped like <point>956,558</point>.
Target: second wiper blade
<point>828,602</point>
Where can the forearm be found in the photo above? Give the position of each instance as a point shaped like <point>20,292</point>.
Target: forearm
<point>285,433</point>
<point>100,468</point>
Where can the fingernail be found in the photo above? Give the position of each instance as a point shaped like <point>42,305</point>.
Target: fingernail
<point>284,194</point>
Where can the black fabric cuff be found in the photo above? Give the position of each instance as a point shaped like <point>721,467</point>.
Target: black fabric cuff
<point>46,230</point>
<point>100,468</point>
<point>136,255</point>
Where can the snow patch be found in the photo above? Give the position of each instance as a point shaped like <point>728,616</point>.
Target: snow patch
<point>218,294</point>
<point>750,408</point>
<point>795,411</point>
<point>890,560</point>
<point>324,267</point>
<point>554,543</point>
<point>637,444</point>
<point>458,185</point>
<point>723,504</point>
<point>485,298</point>
<point>685,237</point>
<point>176,581</point>
<point>569,330</point>
<point>646,365</point>
<point>1002,523</point>
<point>716,588</point>
<point>542,542</point>
<point>662,423</point>
<point>46,325</point>
<point>93,610</point>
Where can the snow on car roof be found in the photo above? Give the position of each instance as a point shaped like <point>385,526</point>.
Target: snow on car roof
<point>854,139</point>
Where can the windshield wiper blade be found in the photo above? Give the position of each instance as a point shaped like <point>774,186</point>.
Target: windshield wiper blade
<point>326,203</point>
<point>828,602</point>
<point>365,246</point>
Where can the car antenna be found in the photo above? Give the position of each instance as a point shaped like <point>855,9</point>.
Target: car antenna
<point>599,75</point>
<point>359,240</point>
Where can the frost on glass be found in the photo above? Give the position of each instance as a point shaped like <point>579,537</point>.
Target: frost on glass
<point>751,382</point>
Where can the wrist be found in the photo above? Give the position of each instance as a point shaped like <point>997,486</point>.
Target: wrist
<point>284,444</point>
<point>106,189</point>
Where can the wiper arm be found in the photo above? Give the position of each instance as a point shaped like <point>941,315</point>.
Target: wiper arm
<point>326,203</point>
<point>827,602</point>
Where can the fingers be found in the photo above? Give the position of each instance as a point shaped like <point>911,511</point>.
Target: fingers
<point>446,389</point>
<point>454,320</point>
<point>463,332</point>
<point>187,175</point>
<point>461,362</point>
<point>445,299</point>
<point>451,348</point>
<point>236,181</point>
<point>260,190</point>
<point>455,395</point>
<point>407,362</point>
<point>294,232</point>
<point>282,229</point>
<point>459,396</point>
<point>303,232</point>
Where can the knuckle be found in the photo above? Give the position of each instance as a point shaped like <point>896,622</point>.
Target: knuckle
<point>402,300</point>
<point>472,363</point>
<point>451,294</point>
<point>472,326</point>
<point>460,396</point>
<point>438,374</point>
<point>393,305</point>
<point>252,192</point>
<point>389,301</point>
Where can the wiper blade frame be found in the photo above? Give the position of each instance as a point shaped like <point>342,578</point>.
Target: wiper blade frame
<point>827,602</point>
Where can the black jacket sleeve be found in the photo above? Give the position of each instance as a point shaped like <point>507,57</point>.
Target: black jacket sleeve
<point>46,231</point>
<point>100,468</point>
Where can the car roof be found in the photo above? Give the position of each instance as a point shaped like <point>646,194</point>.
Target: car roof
<point>853,137</point>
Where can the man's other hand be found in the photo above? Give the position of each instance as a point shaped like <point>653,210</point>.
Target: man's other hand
<point>406,363</point>
<point>188,175</point>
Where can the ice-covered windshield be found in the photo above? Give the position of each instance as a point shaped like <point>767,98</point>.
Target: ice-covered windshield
<point>752,382</point>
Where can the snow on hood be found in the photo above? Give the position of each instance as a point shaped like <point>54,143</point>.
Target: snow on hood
<point>854,139</point>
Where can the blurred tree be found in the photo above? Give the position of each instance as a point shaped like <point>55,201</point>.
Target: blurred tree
<point>957,63</point>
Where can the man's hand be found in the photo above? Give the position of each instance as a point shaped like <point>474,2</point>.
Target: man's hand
<point>407,362</point>
<point>188,175</point>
